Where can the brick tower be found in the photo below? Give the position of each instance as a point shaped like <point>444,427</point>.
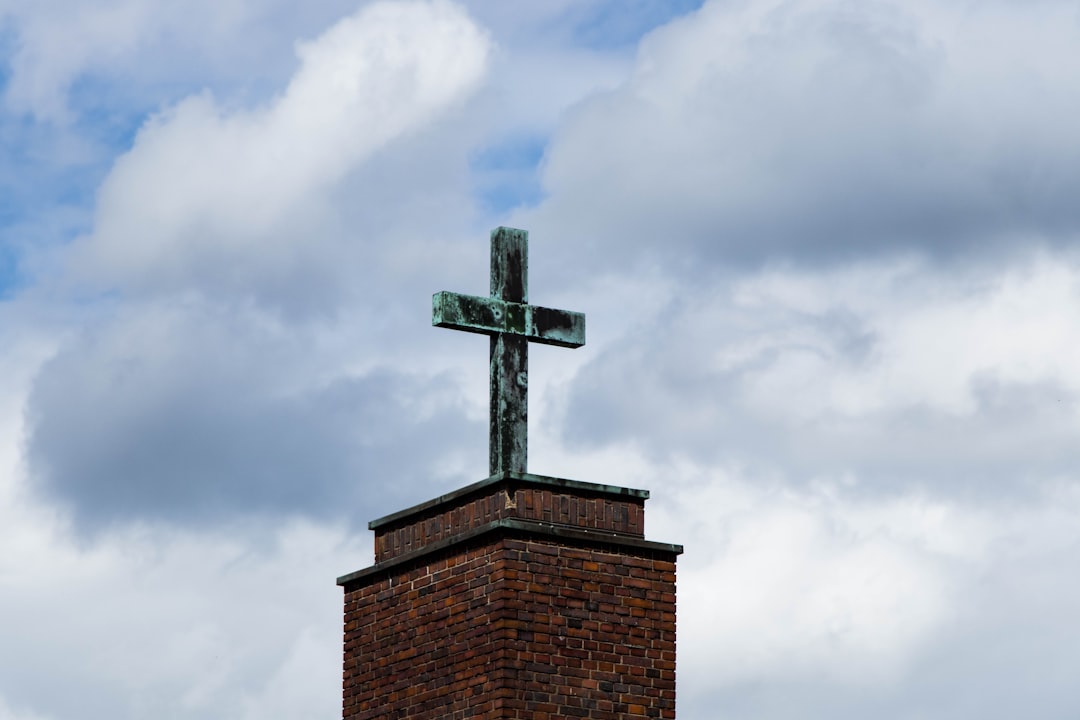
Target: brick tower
<point>520,597</point>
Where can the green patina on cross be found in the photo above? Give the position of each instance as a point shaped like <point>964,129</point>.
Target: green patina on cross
<point>512,323</point>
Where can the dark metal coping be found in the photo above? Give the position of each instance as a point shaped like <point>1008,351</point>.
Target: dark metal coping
<point>529,527</point>
<point>517,478</point>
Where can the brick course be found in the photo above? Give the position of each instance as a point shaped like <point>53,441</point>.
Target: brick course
<point>526,497</point>
<point>514,617</point>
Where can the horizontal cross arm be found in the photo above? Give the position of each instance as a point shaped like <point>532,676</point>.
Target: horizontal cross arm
<point>487,315</point>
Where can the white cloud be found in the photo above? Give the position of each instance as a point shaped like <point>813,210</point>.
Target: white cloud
<point>871,463</point>
<point>57,42</point>
<point>151,622</point>
<point>289,693</point>
<point>129,52</point>
<point>900,372</point>
<point>797,588</point>
<point>932,336</point>
<point>821,599</point>
<point>241,195</point>
<point>6,713</point>
<point>219,211</point>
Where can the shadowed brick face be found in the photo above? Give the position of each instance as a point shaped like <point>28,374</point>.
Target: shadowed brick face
<point>489,610</point>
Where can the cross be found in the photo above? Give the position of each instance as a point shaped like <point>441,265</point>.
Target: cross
<point>512,324</point>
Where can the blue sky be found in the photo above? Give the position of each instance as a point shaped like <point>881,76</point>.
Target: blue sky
<point>828,255</point>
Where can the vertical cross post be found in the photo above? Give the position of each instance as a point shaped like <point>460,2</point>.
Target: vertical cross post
<point>512,324</point>
<point>509,396</point>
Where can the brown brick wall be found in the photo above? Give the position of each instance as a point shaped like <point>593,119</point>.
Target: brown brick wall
<point>592,632</point>
<point>514,625</point>
<point>419,643</point>
<point>600,512</point>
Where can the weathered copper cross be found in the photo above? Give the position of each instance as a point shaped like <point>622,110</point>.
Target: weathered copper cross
<point>512,323</point>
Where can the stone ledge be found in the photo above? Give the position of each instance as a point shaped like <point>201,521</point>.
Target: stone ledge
<point>513,525</point>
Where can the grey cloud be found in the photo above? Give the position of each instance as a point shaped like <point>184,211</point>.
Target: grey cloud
<point>199,424</point>
<point>1018,435</point>
<point>824,132</point>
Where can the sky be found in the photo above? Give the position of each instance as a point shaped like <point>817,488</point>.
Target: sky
<point>829,253</point>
